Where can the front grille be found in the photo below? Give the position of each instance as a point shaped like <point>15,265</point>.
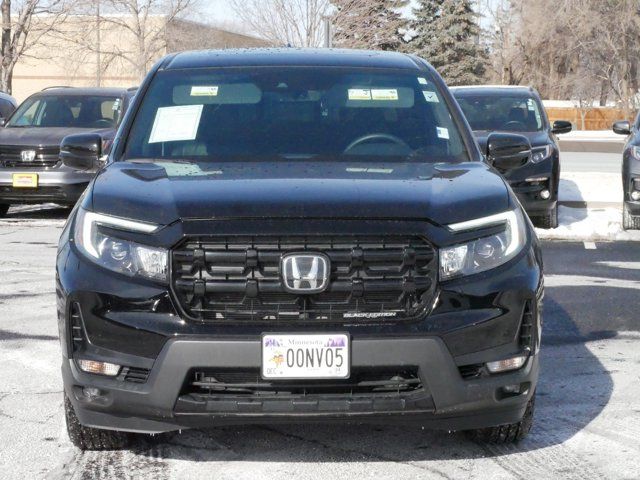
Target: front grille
<point>249,382</point>
<point>372,279</point>
<point>243,391</point>
<point>11,156</point>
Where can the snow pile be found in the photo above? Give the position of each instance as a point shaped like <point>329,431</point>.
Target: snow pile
<point>590,187</point>
<point>589,224</point>
<point>602,220</point>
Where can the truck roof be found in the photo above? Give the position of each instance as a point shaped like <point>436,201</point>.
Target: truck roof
<point>290,57</point>
<point>492,89</point>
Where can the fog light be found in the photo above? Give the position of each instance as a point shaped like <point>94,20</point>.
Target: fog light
<point>545,194</point>
<point>91,392</point>
<point>513,363</point>
<point>101,368</point>
<point>511,389</point>
<point>635,195</point>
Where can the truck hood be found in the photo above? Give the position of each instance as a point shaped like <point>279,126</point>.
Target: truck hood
<point>40,136</point>
<point>163,192</point>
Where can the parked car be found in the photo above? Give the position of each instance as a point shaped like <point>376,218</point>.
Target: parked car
<point>30,168</point>
<point>519,109</point>
<point>8,105</point>
<point>630,173</point>
<point>287,236</point>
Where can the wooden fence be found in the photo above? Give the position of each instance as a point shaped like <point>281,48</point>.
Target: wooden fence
<point>600,118</point>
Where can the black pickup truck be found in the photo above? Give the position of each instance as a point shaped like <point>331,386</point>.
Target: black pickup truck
<point>297,235</point>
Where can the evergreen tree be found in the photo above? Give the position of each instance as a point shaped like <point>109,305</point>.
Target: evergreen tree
<point>368,24</point>
<point>448,38</point>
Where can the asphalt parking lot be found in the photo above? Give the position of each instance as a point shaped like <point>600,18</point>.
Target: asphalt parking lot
<point>587,421</point>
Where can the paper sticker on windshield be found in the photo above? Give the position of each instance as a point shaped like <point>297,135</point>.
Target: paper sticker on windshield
<point>116,105</point>
<point>442,132</point>
<point>204,91</point>
<point>422,81</point>
<point>530,105</point>
<point>359,94</point>
<point>430,97</point>
<point>174,124</point>
<point>384,94</point>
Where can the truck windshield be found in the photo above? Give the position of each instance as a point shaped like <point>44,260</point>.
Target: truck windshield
<point>510,113</point>
<point>75,111</point>
<point>294,112</point>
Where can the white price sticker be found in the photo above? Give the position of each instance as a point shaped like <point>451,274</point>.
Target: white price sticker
<point>174,124</point>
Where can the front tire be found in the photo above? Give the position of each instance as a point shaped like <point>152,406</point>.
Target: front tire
<point>629,222</point>
<point>547,221</point>
<point>510,433</point>
<point>88,438</point>
<point>4,208</point>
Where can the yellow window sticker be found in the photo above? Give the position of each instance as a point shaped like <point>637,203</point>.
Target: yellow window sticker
<point>359,94</point>
<point>204,91</point>
<point>384,94</point>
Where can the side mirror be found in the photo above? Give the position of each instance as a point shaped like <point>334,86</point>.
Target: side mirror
<point>622,127</point>
<point>81,151</point>
<point>506,151</point>
<point>3,121</point>
<point>561,126</point>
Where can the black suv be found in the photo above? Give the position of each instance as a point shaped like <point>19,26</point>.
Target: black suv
<point>630,173</point>
<point>519,109</point>
<point>30,168</point>
<point>291,235</point>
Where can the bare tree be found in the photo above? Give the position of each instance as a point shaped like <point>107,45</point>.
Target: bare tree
<point>297,23</point>
<point>24,24</point>
<point>143,23</point>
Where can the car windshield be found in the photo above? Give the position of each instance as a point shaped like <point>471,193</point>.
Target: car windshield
<point>508,113</point>
<point>294,112</point>
<point>75,111</point>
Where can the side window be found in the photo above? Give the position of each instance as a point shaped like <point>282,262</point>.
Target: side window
<point>111,109</point>
<point>28,117</point>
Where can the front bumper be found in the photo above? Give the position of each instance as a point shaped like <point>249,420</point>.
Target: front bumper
<point>530,180</point>
<point>447,401</point>
<point>57,184</point>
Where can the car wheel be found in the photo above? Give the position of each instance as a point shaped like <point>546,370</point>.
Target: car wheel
<point>87,438</point>
<point>4,208</point>
<point>510,433</point>
<point>550,220</point>
<point>629,222</point>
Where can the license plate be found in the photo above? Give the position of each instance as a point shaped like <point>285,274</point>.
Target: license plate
<point>25,180</point>
<point>288,356</point>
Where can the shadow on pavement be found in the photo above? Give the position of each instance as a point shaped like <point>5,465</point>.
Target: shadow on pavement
<point>571,196</point>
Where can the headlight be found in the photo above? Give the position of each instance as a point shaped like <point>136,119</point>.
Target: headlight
<point>540,154</point>
<point>122,256</point>
<point>635,152</point>
<point>487,252</point>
